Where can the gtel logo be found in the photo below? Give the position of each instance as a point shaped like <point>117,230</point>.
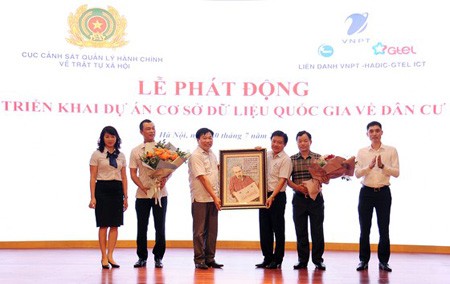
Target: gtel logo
<point>382,49</point>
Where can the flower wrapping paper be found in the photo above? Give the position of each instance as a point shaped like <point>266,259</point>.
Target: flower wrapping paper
<point>163,168</point>
<point>334,168</point>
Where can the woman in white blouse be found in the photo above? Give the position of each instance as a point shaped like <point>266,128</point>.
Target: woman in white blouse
<point>109,193</point>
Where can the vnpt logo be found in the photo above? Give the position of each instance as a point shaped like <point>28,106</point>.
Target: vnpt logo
<point>358,23</point>
<point>381,49</point>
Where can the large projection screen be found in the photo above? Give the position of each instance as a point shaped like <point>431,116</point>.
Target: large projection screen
<point>241,68</point>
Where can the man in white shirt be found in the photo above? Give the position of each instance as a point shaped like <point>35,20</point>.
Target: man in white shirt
<point>271,218</point>
<point>375,164</point>
<point>146,200</point>
<point>204,184</point>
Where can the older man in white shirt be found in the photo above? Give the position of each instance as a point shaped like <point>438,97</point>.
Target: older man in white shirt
<point>204,184</point>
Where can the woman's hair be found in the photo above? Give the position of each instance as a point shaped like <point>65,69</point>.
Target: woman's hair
<point>112,131</point>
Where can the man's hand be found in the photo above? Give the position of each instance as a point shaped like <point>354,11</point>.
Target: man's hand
<point>269,201</point>
<point>373,162</point>
<point>379,163</point>
<point>144,189</point>
<point>303,189</point>
<point>217,203</point>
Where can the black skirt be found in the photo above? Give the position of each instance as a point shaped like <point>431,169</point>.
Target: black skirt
<point>109,207</point>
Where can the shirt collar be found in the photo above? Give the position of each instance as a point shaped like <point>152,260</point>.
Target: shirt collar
<point>203,151</point>
<point>299,155</point>
<point>277,155</point>
<point>372,149</point>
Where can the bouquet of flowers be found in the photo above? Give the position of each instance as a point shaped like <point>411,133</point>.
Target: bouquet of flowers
<point>163,158</point>
<point>328,167</point>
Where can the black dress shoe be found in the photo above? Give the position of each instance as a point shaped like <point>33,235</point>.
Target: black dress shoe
<point>301,265</point>
<point>105,266</point>
<point>385,267</point>
<point>214,264</point>
<point>320,266</point>
<point>201,266</point>
<point>273,265</point>
<point>158,263</point>
<point>362,266</point>
<point>140,263</point>
<point>114,265</point>
<point>262,264</point>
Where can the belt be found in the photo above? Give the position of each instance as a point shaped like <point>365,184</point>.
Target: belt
<point>271,192</point>
<point>376,189</point>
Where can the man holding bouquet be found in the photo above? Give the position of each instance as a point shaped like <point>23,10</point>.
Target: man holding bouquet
<point>375,164</point>
<point>304,206</point>
<point>147,199</point>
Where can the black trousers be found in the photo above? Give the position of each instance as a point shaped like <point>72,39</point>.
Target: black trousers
<point>143,208</point>
<point>381,200</point>
<point>271,223</point>
<point>304,208</point>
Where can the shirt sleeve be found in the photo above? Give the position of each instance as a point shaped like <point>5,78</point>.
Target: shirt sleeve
<point>123,159</point>
<point>361,167</point>
<point>393,167</point>
<point>286,168</point>
<point>94,159</point>
<point>133,162</point>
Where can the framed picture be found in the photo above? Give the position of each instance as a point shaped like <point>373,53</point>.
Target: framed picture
<point>243,179</point>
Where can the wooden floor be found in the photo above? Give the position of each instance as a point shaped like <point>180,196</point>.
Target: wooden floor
<point>83,266</point>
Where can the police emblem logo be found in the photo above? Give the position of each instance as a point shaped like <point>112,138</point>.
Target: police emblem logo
<point>97,28</point>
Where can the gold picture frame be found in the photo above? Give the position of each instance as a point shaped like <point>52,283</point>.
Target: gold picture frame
<point>243,178</point>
